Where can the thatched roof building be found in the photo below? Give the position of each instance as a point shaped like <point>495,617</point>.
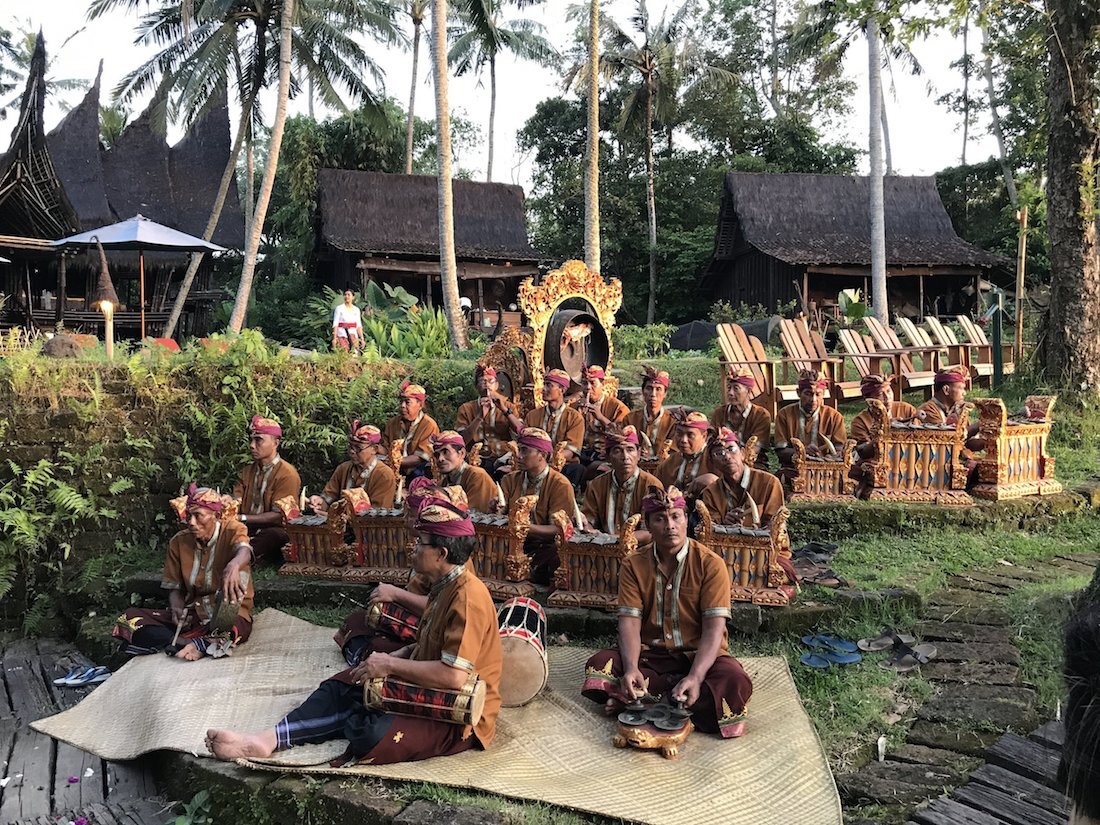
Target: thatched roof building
<point>66,182</point>
<point>780,233</point>
<point>385,226</point>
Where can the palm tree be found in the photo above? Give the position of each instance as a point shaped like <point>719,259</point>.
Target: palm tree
<point>211,46</point>
<point>417,10</point>
<point>666,62</point>
<point>483,37</point>
<point>592,152</point>
<point>448,265</point>
<point>255,229</point>
<point>876,206</point>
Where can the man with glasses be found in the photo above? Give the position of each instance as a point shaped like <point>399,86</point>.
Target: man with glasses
<point>741,495</point>
<point>363,470</point>
<point>263,482</point>
<point>413,428</point>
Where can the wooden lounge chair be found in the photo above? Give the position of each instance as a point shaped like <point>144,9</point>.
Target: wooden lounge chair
<point>743,350</point>
<point>976,338</point>
<point>887,342</point>
<point>860,349</point>
<point>977,359</point>
<point>806,350</point>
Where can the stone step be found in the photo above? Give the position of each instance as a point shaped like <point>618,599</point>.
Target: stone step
<point>950,738</point>
<point>994,654</point>
<point>965,598</point>
<point>1016,572</point>
<point>923,755</point>
<point>1015,695</point>
<point>994,616</point>
<point>897,782</point>
<point>999,714</point>
<point>971,673</point>
<point>963,632</point>
<point>983,582</point>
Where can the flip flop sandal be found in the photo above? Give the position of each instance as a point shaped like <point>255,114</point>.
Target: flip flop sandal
<point>826,578</point>
<point>837,657</point>
<point>815,660</point>
<point>885,640</point>
<point>838,644</point>
<point>905,658</point>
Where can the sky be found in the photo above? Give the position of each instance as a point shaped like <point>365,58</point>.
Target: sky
<point>925,137</point>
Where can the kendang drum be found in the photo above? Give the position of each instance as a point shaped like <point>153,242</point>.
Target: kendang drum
<point>458,707</point>
<point>394,620</point>
<point>522,625</point>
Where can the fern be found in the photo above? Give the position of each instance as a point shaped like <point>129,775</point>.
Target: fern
<point>119,486</point>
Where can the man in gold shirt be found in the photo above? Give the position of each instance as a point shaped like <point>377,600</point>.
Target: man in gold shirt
<point>485,419</point>
<point>819,428</point>
<point>561,422</point>
<point>653,422</point>
<point>612,498</point>
<point>598,412</point>
<point>742,416</point>
<point>457,639</point>
<point>211,555</point>
<point>946,406</point>
<point>875,386</point>
<point>413,428</point>
<point>689,463</point>
<point>741,495</point>
<point>263,482</point>
<point>673,605</point>
<point>449,450</point>
<point>364,470</point>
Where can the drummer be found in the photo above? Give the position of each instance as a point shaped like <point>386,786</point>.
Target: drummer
<point>457,639</point>
<point>673,605</point>
<point>412,427</point>
<point>653,422</point>
<point>269,478</point>
<point>363,470</point>
<point>612,498</point>
<point>449,450</point>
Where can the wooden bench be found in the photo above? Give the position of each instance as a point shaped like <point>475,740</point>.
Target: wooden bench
<point>825,479</point>
<point>917,463</point>
<point>752,557</point>
<point>860,349</point>
<point>589,571</point>
<point>1015,461</point>
<point>806,349</point>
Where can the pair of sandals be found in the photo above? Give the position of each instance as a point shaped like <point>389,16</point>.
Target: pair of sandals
<point>829,650</point>
<point>904,656</point>
<point>83,675</point>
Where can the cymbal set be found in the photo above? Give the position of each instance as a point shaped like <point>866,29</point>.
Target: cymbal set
<point>661,714</point>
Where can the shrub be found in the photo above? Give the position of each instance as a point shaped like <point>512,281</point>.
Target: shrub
<point>634,343</point>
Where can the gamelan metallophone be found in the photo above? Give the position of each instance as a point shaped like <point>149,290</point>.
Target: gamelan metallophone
<point>499,559</point>
<point>316,547</point>
<point>383,547</point>
<point>914,462</point>
<point>752,557</point>
<point>1015,461</point>
<point>589,572</point>
<point>822,478</point>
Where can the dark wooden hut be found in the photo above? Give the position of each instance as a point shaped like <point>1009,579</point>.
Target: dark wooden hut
<point>66,182</point>
<point>374,225</point>
<point>779,234</point>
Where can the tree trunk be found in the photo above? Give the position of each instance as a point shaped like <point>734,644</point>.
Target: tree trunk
<point>250,176</point>
<point>887,150</point>
<point>592,175</point>
<point>998,132</point>
<point>256,228</point>
<point>651,201</point>
<point>410,117</point>
<point>492,112</point>
<point>310,93</point>
<point>878,218</point>
<point>773,95</point>
<point>966,87</point>
<point>1072,341</point>
<point>448,266</point>
<point>215,213</point>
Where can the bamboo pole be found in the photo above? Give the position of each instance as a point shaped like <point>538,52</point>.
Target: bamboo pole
<point>1021,263</point>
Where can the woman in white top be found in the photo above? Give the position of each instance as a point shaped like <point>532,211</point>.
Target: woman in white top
<point>347,324</point>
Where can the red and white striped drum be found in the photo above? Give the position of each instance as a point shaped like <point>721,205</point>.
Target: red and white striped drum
<point>522,624</point>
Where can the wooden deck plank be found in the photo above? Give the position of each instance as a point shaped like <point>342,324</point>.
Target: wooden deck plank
<point>949,812</point>
<point>1027,758</point>
<point>1005,806</point>
<point>30,764</point>
<point>1021,787</point>
<point>72,762</point>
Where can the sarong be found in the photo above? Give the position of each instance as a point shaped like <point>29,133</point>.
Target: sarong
<point>143,631</point>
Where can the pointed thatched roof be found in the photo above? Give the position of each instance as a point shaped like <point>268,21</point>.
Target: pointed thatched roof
<point>387,214</point>
<point>80,169</point>
<point>33,202</point>
<point>807,219</point>
<point>135,171</point>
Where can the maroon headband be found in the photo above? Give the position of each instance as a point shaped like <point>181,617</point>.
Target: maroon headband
<point>561,380</point>
<point>949,378</point>
<point>450,529</point>
<point>265,426</point>
<point>541,444</point>
<point>197,498</point>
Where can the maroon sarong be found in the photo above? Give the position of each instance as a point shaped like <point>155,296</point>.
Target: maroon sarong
<point>147,631</point>
<point>722,700</point>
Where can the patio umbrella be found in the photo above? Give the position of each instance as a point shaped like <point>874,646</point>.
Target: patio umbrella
<point>141,235</point>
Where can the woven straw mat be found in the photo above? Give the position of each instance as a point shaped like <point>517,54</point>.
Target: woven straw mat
<point>557,749</point>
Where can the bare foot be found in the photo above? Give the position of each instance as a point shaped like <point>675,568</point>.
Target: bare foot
<point>612,707</point>
<point>229,745</point>
<point>190,653</point>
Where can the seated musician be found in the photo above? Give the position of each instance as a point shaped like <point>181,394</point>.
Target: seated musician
<point>449,449</point>
<point>485,419</point>
<point>689,462</point>
<point>598,413</point>
<point>673,606</point>
<point>535,477</point>
<point>945,407</point>
<point>263,482</point>
<point>653,422</point>
<point>457,639</point>
<point>612,498</point>
<point>209,556</point>
<point>741,495</point>
<point>819,428</point>
<point>413,428</point>
<point>879,388</point>
<point>559,420</point>
<point>742,416</point>
<point>364,469</point>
